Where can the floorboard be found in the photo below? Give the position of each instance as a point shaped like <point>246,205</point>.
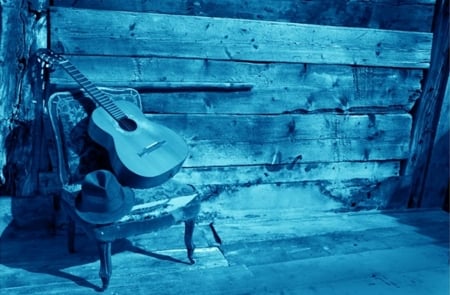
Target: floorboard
<point>253,252</point>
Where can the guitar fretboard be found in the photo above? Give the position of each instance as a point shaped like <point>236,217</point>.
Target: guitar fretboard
<point>100,97</point>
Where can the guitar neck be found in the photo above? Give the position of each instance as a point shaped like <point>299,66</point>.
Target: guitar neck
<point>97,95</point>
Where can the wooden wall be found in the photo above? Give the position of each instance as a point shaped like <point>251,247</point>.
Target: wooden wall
<point>286,103</point>
<point>22,31</point>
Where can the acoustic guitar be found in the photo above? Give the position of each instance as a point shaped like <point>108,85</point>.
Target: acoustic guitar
<point>142,153</point>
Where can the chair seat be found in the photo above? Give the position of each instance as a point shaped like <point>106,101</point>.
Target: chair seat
<point>157,208</point>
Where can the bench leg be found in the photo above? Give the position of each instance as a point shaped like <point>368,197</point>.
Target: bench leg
<point>71,236</point>
<point>188,233</point>
<point>104,250</point>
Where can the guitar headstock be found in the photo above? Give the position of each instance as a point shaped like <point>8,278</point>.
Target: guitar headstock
<point>49,57</point>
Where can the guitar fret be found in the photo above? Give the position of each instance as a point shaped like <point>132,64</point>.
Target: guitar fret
<point>100,97</point>
<point>76,73</point>
<point>80,78</point>
<point>94,90</point>
<point>109,104</point>
<point>116,110</point>
<point>113,109</point>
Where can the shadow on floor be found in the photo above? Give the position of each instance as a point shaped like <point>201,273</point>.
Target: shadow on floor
<point>39,251</point>
<point>431,223</point>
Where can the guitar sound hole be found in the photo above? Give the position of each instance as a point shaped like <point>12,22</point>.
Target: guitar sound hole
<point>127,124</point>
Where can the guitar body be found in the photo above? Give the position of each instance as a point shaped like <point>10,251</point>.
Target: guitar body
<point>142,153</point>
<point>144,157</point>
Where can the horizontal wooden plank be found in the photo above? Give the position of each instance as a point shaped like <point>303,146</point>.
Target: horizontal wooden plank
<point>304,196</point>
<point>149,34</point>
<point>82,268</point>
<point>169,85</point>
<point>329,187</point>
<point>266,224</point>
<point>383,270</point>
<point>387,271</point>
<point>383,282</point>
<point>220,140</point>
<point>260,129</point>
<point>357,237</point>
<point>411,15</point>
<point>276,173</point>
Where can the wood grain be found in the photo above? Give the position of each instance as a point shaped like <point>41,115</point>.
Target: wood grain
<point>326,110</point>
<point>219,140</point>
<point>337,195</point>
<point>149,34</point>
<point>411,15</point>
<point>317,225</point>
<point>428,114</point>
<point>171,85</point>
<point>280,173</point>
<point>20,88</point>
<point>261,253</point>
<point>436,188</point>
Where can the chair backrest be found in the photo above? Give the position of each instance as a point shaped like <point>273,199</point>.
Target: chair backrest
<point>77,153</point>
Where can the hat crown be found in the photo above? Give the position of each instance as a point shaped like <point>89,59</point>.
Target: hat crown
<point>101,183</point>
<point>101,195</point>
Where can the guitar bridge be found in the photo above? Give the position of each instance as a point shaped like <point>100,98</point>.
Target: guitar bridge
<point>151,147</point>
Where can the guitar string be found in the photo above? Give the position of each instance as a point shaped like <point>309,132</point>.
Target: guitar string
<point>106,102</point>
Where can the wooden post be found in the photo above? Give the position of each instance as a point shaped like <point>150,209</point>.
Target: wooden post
<point>429,113</point>
<point>437,179</point>
<point>10,69</point>
<point>23,30</point>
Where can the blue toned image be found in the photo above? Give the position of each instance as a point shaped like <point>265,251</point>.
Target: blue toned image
<point>224,147</point>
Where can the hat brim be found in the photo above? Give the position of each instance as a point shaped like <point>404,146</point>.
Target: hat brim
<point>109,217</point>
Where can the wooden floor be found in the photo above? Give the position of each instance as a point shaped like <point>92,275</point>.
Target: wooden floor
<point>252,253</point>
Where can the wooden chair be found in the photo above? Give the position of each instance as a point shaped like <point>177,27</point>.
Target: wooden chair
<point>157,208</point>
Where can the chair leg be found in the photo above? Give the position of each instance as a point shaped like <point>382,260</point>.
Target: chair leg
<point>104,249</point>
<point>188,233</point>
<point>71,236</point>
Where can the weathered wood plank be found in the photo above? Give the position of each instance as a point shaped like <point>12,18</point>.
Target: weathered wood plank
<point>82,268</point>
<point>438,180</point>
<point>22,29</point>
<point>429,110</point>
<point>279,173</point>
<point>218,140</point>
<point>385,266</point>
<point>392,251</point>
<point>325,244</point>
<point>276,87</point>
<point>299,225</point>
<point>320,186</point>
<point>136,281</point>
<point>149,34</point>
<point>376,277</point>
<point>304,196</point>
<point>386,283</point>
<point>411,15</point>
<point>9,74</point>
